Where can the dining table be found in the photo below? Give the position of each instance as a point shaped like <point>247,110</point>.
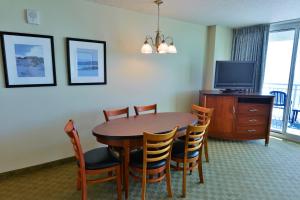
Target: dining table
<point>127,133</point>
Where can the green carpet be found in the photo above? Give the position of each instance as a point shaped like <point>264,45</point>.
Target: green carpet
<point>237,171</point>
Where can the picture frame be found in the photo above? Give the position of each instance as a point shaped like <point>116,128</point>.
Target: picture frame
<point>28,60</point>
<point>86,61</point>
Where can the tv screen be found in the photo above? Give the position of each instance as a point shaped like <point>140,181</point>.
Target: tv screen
<point>234,75</point>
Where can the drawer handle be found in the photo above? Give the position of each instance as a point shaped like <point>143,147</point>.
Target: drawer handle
<point>252,120</point>
<point>253,110</point>
<point>251,131</point>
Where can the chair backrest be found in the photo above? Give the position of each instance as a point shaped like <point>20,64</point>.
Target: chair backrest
<point>72,132</point>
<point>111,113</point>
<point>139,109</point>
<point>204,114</point>
<point>157,147</point>
<point>280,98</point>
<point>194,138</point>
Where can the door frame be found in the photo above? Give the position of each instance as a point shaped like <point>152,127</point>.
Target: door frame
<point>279,27</point>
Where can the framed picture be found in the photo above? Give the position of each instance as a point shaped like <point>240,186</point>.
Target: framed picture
<point>28,60</point>
<point>86,62</point>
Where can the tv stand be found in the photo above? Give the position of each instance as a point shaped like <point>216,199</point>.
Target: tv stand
<point>238,116</point>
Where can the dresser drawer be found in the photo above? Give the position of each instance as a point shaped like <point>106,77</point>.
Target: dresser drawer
<point>252,130</point>
<point>253,109</point>
<point>245,120</point>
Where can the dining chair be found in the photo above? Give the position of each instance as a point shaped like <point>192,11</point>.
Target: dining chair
<point>204,114</point>
<point>139,109</point>
<point>93,162</point>
<point>189,152</point>
<point>152,163</point>
<point>108,114</point>
<point>117,152</point>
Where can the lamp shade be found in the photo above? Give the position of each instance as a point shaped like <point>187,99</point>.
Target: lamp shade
<point>146,48</point>
<point>163,47</point>
<point>172,49</point>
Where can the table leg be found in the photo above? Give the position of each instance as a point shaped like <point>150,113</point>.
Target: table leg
<point>126,167</point>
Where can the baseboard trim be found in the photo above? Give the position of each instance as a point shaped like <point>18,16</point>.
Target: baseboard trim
<point>31,169</point>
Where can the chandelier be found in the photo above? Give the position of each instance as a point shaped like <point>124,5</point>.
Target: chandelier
<point>160,44</point>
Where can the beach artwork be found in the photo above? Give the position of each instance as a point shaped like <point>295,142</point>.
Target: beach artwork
<point>87,62</point>
<point>29,60</point>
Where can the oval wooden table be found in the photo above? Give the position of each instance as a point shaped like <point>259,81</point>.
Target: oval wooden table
<point>128,132</point>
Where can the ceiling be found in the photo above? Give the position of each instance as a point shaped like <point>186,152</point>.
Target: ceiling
<point>232,13</point>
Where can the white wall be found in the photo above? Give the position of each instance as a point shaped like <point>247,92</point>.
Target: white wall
<point>32,119</point>
<point>219,44</point>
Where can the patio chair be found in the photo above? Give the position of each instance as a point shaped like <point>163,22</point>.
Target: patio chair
<point>279,100</point>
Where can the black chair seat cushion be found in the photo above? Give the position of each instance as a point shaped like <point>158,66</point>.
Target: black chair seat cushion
<point>136,160</point>
<point>99,158</point>
<point>178,150</point>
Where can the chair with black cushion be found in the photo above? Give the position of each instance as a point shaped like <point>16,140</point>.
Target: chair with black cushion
<point>189,152</point>
<point>139,109</point>
<point>204,114</point>
<point>152,163</point>
<point>108,114</point>
<point>116,113</point>
<point>93,162</point>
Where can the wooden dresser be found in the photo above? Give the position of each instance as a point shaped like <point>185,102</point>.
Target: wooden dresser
<point>238,116</point>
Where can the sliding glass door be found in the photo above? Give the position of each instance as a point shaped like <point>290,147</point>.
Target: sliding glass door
<point>282,78</point>
<point>294,121</point>
<point>277,72</point>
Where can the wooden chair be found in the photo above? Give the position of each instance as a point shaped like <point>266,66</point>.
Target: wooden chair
<point>204,114</point>
<point>112,113</point>
<point>93,162</point>
<point>139,109</point>
<point>117,152</point>
<point>153,160</point>
<point>189,152</point>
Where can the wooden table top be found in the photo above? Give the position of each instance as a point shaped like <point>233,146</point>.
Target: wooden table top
<point>134,126</point>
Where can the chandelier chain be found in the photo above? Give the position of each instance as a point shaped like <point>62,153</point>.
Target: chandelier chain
<point>160,43</point>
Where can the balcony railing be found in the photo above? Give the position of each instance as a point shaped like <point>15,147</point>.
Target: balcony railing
<point>268,87</point>
<point>295,104</point>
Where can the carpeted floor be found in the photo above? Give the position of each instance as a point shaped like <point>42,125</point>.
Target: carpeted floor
<point>237,171</point>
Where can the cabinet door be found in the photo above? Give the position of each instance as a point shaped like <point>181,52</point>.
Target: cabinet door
<point>222,123</point>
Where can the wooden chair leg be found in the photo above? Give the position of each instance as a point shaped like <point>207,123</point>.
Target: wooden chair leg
<point>168,179</point>
<point>119,185</point>
<point>184,180</point>
<point>206,149</point>
<point>200,171</point>
<point>122,169</point>
<point>144,179</point>
<point>191,165</point>
<point>83,187</point>
<point>78,181</point>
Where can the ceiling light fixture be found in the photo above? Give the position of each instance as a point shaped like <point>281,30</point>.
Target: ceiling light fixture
<point>161,44</point>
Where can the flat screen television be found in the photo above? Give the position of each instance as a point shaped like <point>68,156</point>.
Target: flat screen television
<point>234,75</point>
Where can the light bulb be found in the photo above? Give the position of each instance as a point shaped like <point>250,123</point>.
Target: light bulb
<point>163,47</point>
<point>172,49</point>
<point>146,48</point>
